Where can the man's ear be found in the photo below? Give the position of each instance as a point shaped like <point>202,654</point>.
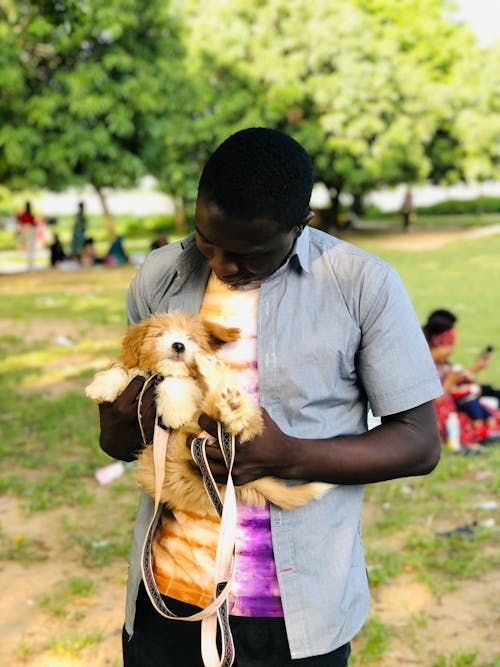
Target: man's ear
<point>219,334</point>
<point>308,218</point>
<point>304,223</point>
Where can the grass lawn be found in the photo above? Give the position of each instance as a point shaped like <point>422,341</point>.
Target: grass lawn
<point>64,539</point>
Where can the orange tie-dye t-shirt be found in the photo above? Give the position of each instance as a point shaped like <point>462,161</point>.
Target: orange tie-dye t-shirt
<point>186,542</point>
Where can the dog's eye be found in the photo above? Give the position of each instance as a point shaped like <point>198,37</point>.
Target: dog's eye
<point>153,334</point>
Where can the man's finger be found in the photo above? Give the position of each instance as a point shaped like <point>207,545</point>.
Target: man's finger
<point>131,392</point>
<point>208,425</point>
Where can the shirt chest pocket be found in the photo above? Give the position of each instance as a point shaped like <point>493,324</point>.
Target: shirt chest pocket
<point>314,379</point>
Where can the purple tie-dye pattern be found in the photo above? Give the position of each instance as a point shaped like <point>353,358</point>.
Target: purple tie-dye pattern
<point>255,589</point>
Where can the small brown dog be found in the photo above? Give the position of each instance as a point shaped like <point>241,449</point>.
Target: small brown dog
<point>180,348</point>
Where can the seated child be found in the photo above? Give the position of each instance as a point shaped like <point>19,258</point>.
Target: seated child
<point>457,381</point>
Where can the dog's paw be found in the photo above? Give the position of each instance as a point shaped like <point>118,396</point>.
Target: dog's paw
<point>231,398</point>
<point>108,385</point>
<point>240,415</point>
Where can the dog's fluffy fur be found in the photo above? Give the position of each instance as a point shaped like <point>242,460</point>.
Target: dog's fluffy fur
<point>180,348</point>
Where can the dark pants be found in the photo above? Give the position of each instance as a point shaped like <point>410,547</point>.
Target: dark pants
<point>259,642</point>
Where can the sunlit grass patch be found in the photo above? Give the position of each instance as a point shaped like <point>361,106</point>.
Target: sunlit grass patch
<point>372,643</point>
<point>25,649</point>
<point>63,601</point>
<point>45,362</point>
<point>440,560</point>
<point>72,643</point>
<point>464,659</point>
<point>107,535</point>
<point>22,549</point>
<point>408,514</point>
<point>383,565</point>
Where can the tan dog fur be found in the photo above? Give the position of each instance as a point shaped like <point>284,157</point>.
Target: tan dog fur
<point>194,381</point>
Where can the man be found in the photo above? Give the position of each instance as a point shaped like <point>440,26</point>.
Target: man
<point>325,329</point>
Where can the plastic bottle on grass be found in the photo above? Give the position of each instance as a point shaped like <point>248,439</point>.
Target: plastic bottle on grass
<point>453,432</point>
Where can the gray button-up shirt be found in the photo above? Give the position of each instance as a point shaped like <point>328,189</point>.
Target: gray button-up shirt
<point>336,331</point>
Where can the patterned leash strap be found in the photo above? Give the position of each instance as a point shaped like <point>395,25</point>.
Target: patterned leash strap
<point>216,613</point>
<point>146,384</point>
<point>224,560</point>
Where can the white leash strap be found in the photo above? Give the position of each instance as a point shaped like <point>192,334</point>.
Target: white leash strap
<point>224,561</point>
<point>216,613</point>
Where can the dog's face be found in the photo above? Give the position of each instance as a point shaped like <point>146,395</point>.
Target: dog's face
<point>168,344</point>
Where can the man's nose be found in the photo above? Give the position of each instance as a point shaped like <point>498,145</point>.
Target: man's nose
<point>223,264</point>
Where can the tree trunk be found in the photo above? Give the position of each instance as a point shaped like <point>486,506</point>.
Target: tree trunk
<point>335,196</point>
<point>108,218</point>
<point>358,205</point>
<point>180,217</point>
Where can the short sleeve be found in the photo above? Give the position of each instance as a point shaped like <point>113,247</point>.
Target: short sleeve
<point>394,362</point>
<point>137,302</point>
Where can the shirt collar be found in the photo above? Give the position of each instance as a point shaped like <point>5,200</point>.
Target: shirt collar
<point>191,259</point>
<point>300,254</point>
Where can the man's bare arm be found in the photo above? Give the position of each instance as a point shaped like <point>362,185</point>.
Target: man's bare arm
<point>405,444</point>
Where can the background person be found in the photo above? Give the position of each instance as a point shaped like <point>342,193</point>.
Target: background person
<point>88,257</point>
<point>116,254</point>
<point>407,209</point>
<point>79,233</point>
<point>28,229</point>
<point>326,328</point>
<point>57,254</point>
<point>159,241</point>
<point>460,382</point>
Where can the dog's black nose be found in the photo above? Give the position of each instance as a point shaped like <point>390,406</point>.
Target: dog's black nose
<point>178,347</point>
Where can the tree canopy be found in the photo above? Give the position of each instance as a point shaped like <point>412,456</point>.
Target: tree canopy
<point>85,84</point>
<point>379,91</point>
<point>367,86</point>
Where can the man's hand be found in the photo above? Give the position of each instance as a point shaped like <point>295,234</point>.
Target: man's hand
<point>405,444</point>
<point>265,455</point>
<point>121,435</point>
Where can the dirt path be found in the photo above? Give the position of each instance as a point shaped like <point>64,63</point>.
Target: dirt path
<point>31,629</point>
<point>421,239</point>
<point>459,622</point>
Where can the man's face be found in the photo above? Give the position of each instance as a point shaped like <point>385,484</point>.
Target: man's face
<point>241,253</point>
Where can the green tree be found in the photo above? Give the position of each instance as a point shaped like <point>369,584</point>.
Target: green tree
<point>365,85</point>
<point>214,101</point>
<point>86,85</point>
<point>474,116</point>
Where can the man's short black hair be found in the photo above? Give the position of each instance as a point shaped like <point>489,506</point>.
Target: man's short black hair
<point>259,173</point>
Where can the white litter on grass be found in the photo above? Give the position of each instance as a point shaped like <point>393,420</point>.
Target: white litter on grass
<point>110,473</point>
<point>99,544</point>
<point>63,341</point>
<point>46,301</point>
<point>487,505</point>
